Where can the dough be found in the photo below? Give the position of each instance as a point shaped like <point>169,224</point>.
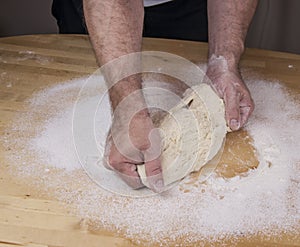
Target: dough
<point>192,133</point>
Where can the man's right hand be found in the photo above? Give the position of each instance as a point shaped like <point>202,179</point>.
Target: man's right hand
<point>134,141</point>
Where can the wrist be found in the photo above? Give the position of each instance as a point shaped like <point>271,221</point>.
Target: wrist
<point>219,64</point>
<point>128,90</point>
<point>229,51</point>
<point>127,100</point>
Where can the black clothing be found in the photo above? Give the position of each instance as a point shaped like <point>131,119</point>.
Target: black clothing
<point>177,19</point>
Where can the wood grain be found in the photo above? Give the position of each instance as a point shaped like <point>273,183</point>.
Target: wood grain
<point>31,63</point>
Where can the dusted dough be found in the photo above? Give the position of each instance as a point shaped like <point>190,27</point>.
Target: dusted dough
<point>192,134</point>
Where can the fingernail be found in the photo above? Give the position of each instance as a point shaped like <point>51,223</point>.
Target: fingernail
<point>234,124</point>
<point>133,168</point>
<point>159,184</point>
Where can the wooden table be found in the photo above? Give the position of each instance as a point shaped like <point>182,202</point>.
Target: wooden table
<point>68,57</point>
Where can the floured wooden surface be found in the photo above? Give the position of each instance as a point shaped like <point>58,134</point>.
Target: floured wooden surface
<point>29,219</point>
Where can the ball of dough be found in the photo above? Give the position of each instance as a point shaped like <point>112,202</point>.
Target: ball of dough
<point>192,134</point>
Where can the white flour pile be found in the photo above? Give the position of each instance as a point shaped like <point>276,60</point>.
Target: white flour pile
<point>267,201</point>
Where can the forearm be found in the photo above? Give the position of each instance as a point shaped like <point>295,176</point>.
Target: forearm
<point>115,29</point>
<point>228,22</point>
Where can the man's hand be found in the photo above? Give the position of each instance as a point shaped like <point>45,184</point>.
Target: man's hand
<point>228,22</point>
<point>134,141</point>
<point>115,29</point>
<point>231,88</point>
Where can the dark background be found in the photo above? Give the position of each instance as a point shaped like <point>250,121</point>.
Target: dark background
<point>276,25</point>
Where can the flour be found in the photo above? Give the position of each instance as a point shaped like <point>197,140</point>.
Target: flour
<point>31,55</point>
<point>266,201</point>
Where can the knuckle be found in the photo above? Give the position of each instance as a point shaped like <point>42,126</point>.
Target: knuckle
<point>156,170</point>
<point>144,146</point>
<point>114,161</point>
<point>153,167</point>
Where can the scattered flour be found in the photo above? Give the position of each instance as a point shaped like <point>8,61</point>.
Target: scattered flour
<point>265,201</point>
<point>31,55</point>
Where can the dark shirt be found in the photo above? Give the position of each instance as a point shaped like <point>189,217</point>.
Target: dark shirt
<point>178,19</point>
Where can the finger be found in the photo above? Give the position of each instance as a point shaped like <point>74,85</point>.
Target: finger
<point>106,159</point>
<point>128,173</point>
<point>245,112</point>
<point>113,158</point>
<point>232,109</point>
<point>107,150</point>
<point>246,108</point>
<point>154,175</point>
<point>152,162</point>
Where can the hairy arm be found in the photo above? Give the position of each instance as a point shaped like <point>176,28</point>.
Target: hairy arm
<point>115,29</point>
<point>228,25</point>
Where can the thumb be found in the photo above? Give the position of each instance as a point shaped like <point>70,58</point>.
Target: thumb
<point>154,175</point>
<point>232,109</point>
<point>152,161</point>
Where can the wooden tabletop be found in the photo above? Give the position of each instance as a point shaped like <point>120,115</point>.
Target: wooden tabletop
<point>57,58</point>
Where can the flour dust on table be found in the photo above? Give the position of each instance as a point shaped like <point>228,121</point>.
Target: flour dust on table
<point>265,200</point>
